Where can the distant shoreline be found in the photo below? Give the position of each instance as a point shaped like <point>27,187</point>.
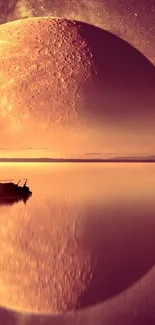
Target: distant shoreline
<point>83,160</point>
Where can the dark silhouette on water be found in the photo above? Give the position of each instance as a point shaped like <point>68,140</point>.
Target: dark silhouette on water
<point>11,193</point>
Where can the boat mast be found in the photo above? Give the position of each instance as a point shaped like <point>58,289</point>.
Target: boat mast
<point>25,182</point>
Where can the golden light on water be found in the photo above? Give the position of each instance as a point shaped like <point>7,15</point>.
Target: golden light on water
<point>58,251</point>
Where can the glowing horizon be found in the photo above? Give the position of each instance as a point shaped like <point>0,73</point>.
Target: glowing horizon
<point>49,154</point>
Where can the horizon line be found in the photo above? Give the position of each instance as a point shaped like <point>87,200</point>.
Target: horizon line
<point>74,160</point>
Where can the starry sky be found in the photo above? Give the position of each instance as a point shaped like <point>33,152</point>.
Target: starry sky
<point>131,20</point>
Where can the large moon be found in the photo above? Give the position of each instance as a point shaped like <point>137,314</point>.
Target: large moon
<point>74,88</point>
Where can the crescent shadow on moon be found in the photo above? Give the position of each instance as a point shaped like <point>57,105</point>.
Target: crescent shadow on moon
<point>125,81</point>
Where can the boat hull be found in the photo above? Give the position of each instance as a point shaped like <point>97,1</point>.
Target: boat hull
<point>10,193</point>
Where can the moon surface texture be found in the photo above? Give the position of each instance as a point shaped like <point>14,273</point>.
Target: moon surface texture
<point>68,85</point>
<point>133,20</point>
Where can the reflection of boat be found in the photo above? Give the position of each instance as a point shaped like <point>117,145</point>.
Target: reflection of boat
<point>11,192</point>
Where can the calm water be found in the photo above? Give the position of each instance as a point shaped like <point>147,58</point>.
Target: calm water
<point>86,234</point>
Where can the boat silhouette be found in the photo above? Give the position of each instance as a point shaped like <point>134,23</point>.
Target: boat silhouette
<point>11,193</point>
